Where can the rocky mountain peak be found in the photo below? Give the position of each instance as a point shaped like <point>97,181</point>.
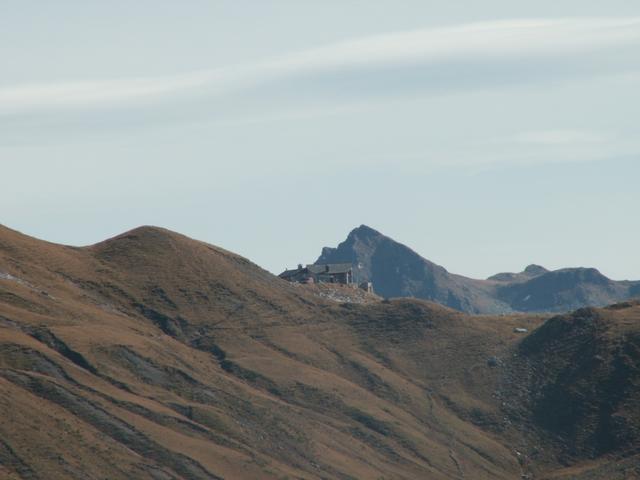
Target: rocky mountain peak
<point>398,271</point>
<point>364,231</point>
<point>534,269</point>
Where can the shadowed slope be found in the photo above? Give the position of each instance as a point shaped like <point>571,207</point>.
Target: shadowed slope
<point>573,385</point>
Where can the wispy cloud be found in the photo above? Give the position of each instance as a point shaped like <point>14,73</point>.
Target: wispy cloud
<point>561,137</point>
<point>425,59</point>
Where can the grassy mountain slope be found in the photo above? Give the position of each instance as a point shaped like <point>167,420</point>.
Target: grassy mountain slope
<point>154,356</point>
<point>573,385</point>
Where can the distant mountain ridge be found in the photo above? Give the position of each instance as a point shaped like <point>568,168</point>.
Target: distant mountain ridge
<point>398,271</point>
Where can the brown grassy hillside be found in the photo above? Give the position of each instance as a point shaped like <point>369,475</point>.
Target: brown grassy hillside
<point>572,390</point>
<point>154,356</point>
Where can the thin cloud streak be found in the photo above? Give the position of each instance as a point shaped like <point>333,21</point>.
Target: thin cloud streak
<point>562,137</point>
<point>605,45</point>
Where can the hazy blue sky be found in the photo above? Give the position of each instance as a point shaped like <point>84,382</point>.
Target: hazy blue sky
<point>485,135</point>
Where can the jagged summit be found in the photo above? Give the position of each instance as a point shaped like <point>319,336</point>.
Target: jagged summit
<point>398,271</point>
<point>358,238</point>
<point>364,231</point>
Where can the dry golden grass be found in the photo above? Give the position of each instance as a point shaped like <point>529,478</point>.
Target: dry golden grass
<point>154,356</point>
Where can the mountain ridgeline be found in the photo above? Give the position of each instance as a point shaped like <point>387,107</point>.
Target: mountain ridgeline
<point>398,271</point>
<point>157,357</point>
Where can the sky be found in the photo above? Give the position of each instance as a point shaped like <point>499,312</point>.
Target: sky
<point>484,135</point>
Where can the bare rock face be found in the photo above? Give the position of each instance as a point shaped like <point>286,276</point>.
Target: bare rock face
<point>398,271</point>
